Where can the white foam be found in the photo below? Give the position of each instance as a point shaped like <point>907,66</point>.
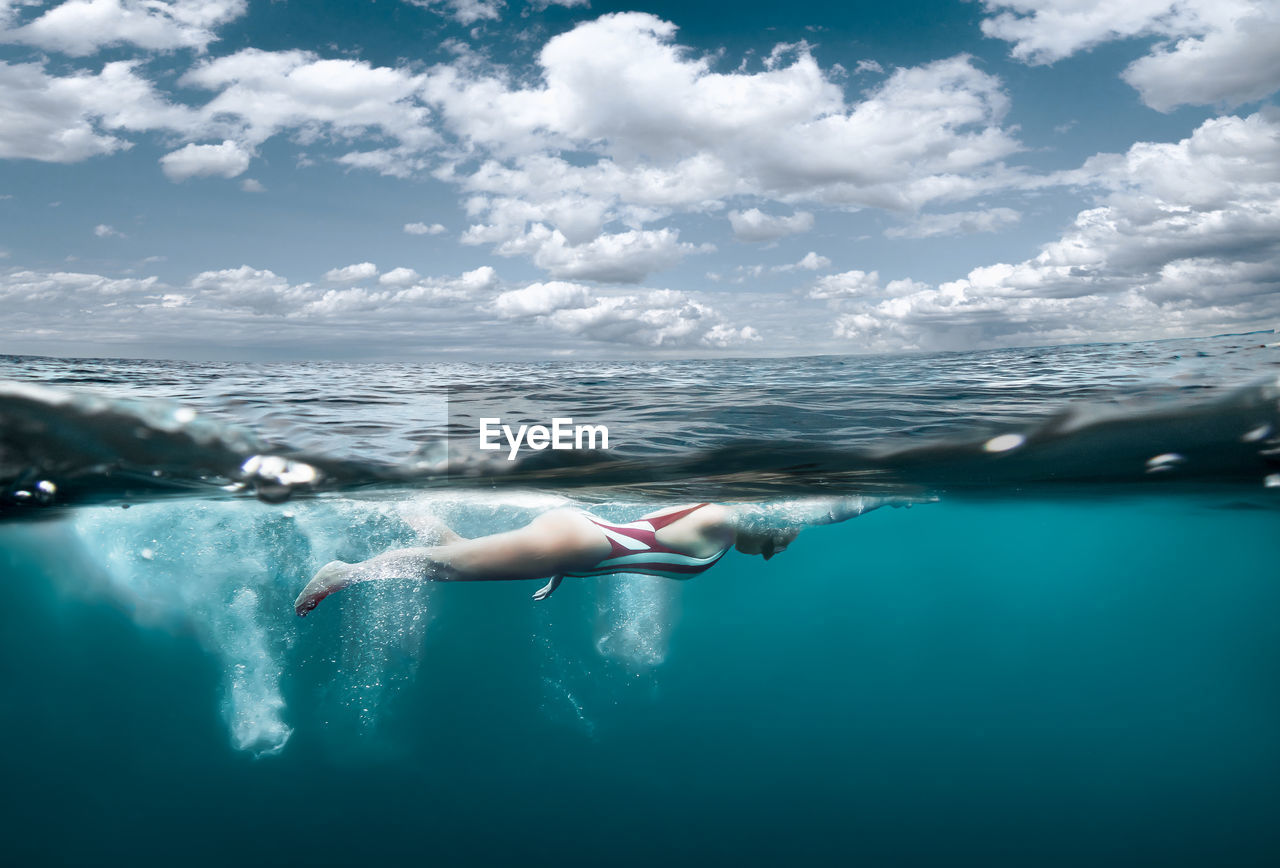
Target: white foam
<point>206,569</point>
<point>252,705</point>
<point>635,618</point>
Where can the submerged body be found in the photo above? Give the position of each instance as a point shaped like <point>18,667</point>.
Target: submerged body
<point>636,548</point>
<point>678,543</point>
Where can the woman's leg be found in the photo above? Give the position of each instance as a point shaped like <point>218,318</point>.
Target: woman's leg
<point>553,543</point>
<point>431,529</point>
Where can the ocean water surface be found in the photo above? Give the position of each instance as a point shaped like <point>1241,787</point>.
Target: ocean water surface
<point>1066,653</point>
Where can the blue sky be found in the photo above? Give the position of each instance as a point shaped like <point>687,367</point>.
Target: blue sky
<point>479,179</point>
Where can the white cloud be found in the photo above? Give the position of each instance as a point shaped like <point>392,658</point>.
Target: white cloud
<point>623,128</point>
<point>1218,51</point>
<point>103,230</point>
<point>402,161</point>
<point>1043,31</point>
<point>540,299</point>
<point>624,257</point>
<point>478,279</point>
<point>468,12</point>
<point>811,261</point>
<point>1235,64</point>
<point>660,318</point>
<point>424,229</point>
<point>654,130</point>
<point>352,273</point>
<point>401,299</point>
<point>226,160</point>
<point>248,308</point>
<point>847,284</point>
<point>64,119</point>
<point>1184,240</point>
<point>754,225</point>
<point>60,292</point>
<point>259,291</point>
<point>81,27</point>
<point>398,277</point>
<point>264,293</point>
<point>258,95</point>
<point>956,223</point>
<point>251,185</point>
<point>723,336</point>
<point>261,93</point>
<point>672,133</point>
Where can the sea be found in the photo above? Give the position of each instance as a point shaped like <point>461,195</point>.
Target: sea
<point>1060,647</point>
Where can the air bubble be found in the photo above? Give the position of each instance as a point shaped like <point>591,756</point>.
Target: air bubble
<point>44,491</point>
<point>277,469</point>
<point>1004,442</point>
<point>1164,461</point>
<point>274,477</point>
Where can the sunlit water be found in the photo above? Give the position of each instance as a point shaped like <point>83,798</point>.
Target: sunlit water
<point>1064,660</point>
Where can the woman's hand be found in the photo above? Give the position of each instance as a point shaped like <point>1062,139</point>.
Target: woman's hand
<point>547,589</point>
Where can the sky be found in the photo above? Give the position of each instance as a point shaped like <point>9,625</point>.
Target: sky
<point>501,179</point>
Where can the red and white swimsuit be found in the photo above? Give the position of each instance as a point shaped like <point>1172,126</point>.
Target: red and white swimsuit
<point>636,549</point>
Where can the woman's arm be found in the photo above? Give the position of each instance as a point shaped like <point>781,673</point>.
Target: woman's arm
<point>833,510</point>
<point>837,509</point>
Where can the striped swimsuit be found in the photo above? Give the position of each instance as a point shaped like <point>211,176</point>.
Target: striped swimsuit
<point>636,549</point>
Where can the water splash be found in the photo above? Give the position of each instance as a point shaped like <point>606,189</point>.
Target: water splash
<point>563,683</point>
<point>252,705</point>
<point>635,617</point>
<point>210,570</point>
<point>565,698</point>
<point>383,625</point>
<point>383,633</point>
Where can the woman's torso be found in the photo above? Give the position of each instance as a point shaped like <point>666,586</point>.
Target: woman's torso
<point>635,548</point>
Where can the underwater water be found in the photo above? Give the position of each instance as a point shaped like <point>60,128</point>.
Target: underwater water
<point>1071,656</point>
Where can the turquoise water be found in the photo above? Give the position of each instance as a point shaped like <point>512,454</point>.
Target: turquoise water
<point>998,681</point>
<point>1070,657</point>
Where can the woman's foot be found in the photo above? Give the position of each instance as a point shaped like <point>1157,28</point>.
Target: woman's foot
<point>333,576</point>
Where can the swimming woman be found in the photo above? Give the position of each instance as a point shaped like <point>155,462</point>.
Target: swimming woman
<point>676,543</point>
